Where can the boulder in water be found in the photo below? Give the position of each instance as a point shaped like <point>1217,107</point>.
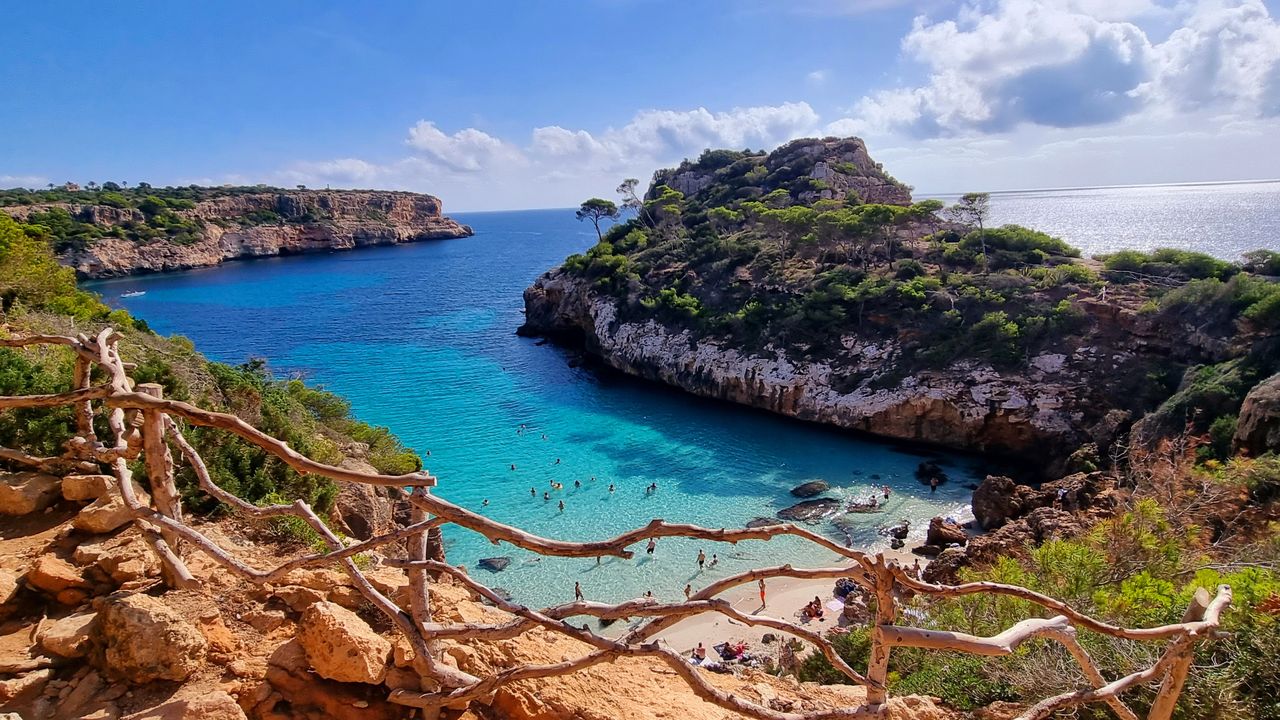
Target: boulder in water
<point>929,471</point>
<point>810,509</point>
<point>897,532</point>
<point>760,522</point>
<point>897,543</point>
<point>810,489</point>
<point>495,564</point>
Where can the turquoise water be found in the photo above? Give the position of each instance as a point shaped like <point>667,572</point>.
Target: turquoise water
<point>421,338</point>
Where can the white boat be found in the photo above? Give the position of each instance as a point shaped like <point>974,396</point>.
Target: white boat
<point>135,293</point>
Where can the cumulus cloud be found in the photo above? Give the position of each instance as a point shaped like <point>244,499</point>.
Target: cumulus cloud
<point>468,150</point>
<point>1074,63</point>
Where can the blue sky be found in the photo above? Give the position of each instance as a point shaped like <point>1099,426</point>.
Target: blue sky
<point>521,104</point>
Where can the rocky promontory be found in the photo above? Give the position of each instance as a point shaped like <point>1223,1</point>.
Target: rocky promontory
<point>154,235</point>
<point>806,282</point>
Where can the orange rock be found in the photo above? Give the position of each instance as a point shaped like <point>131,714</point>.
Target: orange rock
<point>53,575</point>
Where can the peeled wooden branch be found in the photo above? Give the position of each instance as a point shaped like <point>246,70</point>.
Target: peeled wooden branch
<point>139,421</point>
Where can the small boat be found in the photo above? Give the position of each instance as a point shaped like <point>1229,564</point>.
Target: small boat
<point>135,293</point>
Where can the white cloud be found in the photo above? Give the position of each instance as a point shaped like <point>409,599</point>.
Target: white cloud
<point>816,78</point>
<point>1072,63</point>
<point>468,150</point>
<point>477,170</point>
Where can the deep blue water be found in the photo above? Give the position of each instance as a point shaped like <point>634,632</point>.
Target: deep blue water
<point>421,339</point>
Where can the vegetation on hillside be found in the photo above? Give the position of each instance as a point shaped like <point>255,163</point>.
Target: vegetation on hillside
<point>38,295</point>
<point>74,218</point>
<point>1188,525</point>
<point>759,255</point>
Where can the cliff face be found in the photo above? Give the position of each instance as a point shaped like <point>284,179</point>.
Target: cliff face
<point>1041,413</point>
<point>259,225</point>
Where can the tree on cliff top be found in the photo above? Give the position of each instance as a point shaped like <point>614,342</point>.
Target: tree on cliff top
<point>597,209</point>
<point>972,210</point>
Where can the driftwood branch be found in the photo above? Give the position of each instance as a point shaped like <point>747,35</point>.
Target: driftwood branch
<point>144,423</point>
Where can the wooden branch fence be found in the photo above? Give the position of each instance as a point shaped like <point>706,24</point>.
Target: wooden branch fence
<point>143,423</point>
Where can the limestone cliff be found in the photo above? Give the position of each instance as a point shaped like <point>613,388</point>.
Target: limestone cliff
<point>1040,413</point>
<point>255,224</point>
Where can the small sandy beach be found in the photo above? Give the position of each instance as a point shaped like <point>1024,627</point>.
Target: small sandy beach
<point>785,598</point>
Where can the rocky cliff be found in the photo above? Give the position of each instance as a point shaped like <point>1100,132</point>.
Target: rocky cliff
<point>251,225</point>
<point>1041,413</point>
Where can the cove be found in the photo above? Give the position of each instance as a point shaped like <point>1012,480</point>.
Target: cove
<point>421,338</point>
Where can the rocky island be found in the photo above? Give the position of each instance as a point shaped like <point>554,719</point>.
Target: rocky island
<point>121,231</point>
<point>805,281</point>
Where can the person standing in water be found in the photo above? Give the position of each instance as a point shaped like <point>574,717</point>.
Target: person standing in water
<point>533,492</point>
<point>577,591</point>
<point>702,559</point>
<point>561,506</point>
<point>652,545</point>
<point>933,484</point>
<point>886,492</point>
<point>688,591</point>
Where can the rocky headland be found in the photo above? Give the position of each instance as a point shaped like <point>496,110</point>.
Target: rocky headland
<point>777,281</point>
<point>250,224</point>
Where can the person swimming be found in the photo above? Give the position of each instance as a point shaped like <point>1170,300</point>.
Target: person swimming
<point>561,506</point>
<point>533,492</point>
<point>577,484</point>
<point>485,503</point>
<point>611,487</point>
<point>546,496</point>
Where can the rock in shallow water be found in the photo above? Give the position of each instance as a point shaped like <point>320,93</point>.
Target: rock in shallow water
<point>810,489</point>
<point>810,510</point>
<point>495,564</point>
<point>760,522</point>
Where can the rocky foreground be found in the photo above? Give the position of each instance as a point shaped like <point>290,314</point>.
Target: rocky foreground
<point>253,225</point>
<point>87,631</point>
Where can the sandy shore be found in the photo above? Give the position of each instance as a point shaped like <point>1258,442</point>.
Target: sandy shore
<point>785,598</point>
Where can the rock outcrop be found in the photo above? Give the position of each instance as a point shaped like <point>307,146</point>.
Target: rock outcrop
<point>27,492</point>
<point>1258,426</point>
<point>810,489</point>
<point>1041,413</point>
<point>259,224</point>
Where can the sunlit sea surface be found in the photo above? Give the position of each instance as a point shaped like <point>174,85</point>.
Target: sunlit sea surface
<point>421,339</point>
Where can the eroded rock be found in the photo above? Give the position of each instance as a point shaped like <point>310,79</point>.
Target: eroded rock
<point>944,532</point>
<point>145,640</point>
<point>1258,426</point>
<point>69,637</point>
<point>494,564</point>
<point>27,492</point>
<point>212,705</point>
<point>341,646</point>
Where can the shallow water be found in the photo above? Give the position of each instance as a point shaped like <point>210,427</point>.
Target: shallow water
<point>421,338</point>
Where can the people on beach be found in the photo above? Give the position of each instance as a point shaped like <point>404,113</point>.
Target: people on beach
<point>577,591</point>
<point>653,544</point>
<point>699,654</point>
<point>762,602</point>
<point>702,559</point>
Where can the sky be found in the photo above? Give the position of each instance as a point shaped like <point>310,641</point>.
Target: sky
<point>513,105</point>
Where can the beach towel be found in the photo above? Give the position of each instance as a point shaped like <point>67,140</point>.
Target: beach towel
<point>835,605</point>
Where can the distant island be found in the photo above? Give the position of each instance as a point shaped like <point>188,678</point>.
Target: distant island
<point>112,230</point>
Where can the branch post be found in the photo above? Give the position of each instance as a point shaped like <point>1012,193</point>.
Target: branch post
<point>142,421</point>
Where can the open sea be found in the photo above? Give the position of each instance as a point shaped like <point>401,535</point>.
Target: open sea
<point>421,338</point>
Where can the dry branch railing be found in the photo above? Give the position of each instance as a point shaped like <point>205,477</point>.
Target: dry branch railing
<point>144,424</point>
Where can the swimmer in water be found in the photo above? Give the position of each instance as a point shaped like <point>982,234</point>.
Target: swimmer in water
<point>577,484</point>
<point>533,493</point>
<point>610,487</point>
<point>561,506</point>
<point>485,503</point>
<point>546,496</point>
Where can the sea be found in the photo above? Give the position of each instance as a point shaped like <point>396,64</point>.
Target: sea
<point>421,339</point>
